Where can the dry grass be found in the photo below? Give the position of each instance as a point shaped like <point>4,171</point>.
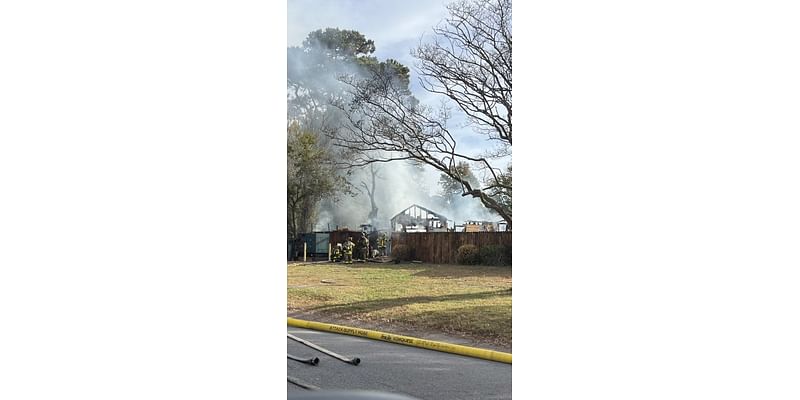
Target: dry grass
<point>469,301</point>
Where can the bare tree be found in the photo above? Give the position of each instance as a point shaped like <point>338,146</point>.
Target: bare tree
<point>392,125</point>
<point>370,189</point>
<point>469,61</point>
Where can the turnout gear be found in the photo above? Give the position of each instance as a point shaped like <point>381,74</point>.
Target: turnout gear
<point>348,251</point>
<point>336,255</point>
<point>364,241</point>
<point>382,244</point>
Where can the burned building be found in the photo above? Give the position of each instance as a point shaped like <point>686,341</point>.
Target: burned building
<point>419,219</point>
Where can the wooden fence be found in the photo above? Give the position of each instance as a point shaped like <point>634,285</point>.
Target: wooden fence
<point>441,247</point>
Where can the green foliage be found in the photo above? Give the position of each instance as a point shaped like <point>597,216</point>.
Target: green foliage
<point>326,56</point>
<point>309,179</point>
<point>391,69</point>
<point>501,192</point>
<point>451,189</point>
<point>468,255</point>
<point>316,75</point>
<point>495,254</point>
<point>314,69</point>
<point>402,253</point>
<point>340,43</point>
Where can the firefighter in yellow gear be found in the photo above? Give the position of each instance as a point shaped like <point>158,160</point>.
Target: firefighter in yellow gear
<point>348,251</point>
<point>336,255</point>
<point>364,242</point>
<point>382,244</point>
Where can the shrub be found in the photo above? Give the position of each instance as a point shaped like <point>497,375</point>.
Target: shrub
<point>468,255</point>
<point>494,254</point>
<point>402,252</point>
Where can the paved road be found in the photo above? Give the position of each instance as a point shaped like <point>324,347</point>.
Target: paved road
<point>394,368</point>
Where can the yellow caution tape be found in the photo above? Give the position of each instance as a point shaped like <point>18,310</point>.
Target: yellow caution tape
<point>406,340</point>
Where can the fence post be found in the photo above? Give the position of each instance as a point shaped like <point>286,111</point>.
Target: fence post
<point>304,251</point>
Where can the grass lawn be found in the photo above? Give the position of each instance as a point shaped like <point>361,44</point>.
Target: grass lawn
<point>468,301</point>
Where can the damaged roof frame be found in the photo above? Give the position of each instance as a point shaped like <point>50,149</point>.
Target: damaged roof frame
<point>416,214</point>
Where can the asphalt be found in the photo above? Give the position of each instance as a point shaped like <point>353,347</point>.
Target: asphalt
<point>388,367</point>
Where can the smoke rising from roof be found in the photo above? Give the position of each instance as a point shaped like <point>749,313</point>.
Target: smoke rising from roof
<point>400,184</point>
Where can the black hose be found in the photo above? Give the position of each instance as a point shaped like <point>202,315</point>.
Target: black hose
<point>311,361</point>
<point>353,361</point>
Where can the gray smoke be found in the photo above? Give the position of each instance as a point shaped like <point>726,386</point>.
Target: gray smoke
<point>400,183</point>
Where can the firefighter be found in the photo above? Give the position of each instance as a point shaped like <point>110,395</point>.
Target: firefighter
<point>348,251</point>
<point>336,255</point>
<point>357,248</point>
<point>364,241</point>
<point>382,244</point>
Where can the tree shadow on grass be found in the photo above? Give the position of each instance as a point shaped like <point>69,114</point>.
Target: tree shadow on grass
<point>442,270</point>
<point>366,306</point>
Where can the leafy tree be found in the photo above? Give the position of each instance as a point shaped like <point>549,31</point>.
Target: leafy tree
<point>309,179</point>
<point>316,68</point>
<point>314,81</point>
<point>339,44</point>
<point>452,189</point>
<point>502,192</point>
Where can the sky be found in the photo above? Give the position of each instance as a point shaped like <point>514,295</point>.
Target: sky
<point>396,27</point>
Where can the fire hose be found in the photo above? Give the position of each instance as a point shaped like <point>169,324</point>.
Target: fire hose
<point>404,340</point>
<point>353,361</point>
<point>310,361</point>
